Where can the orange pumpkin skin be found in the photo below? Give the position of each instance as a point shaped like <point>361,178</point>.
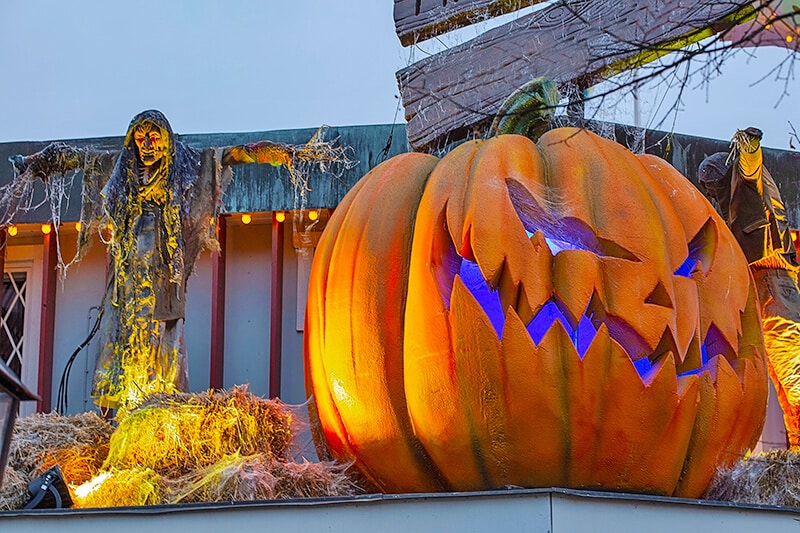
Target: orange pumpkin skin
<point>424,389</point>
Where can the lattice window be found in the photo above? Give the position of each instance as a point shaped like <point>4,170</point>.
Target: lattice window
<point>12,319</point>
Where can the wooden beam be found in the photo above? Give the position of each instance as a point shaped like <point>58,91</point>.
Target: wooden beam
<point>417,20</point>
<point>218,277</point>
<point>47,322</point>
<point>454,94</point>
<point>276,309</point>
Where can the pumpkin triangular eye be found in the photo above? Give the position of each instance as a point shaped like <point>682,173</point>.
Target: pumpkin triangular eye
<point>702,249</point>
<point>659,296</point>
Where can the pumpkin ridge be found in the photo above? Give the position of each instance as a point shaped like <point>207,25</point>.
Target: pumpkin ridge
<point>398,400</point>
<point>351,246</point>
<point>597,358</point>
<point>319,276</point>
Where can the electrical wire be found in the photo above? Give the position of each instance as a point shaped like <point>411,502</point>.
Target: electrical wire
<point>62,403</point>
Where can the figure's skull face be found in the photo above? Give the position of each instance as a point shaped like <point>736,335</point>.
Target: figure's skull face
<point>152,142</point>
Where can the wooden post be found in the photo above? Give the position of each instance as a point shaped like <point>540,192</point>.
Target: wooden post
<point>276,309</point>
<point>218,276</point>
<point>47,322</point>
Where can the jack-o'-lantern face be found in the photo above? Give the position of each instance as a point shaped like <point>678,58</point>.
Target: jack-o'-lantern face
<point>152,142</point>
<point>567,314</point>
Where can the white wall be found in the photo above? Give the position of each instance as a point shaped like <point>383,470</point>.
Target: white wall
<point>247,315</point>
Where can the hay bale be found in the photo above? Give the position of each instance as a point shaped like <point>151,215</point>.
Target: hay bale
<point>257,477</point>
<point>174,434</point>
<point>14,490</point>
<point>209,447</point>
<point>174,448</point>
<point>314,480</point>
<point>768,478</point>
<point>120,488</point>
<point>78,444</point>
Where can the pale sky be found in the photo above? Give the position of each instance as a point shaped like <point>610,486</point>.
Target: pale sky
<point>84,68</point>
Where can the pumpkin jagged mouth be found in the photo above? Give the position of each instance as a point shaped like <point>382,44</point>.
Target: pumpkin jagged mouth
<point>583,332</point>
<point>573,234</point>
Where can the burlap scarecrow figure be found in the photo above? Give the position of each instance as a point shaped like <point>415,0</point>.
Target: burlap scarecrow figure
<point>750,202</point>
<point>154,203</point>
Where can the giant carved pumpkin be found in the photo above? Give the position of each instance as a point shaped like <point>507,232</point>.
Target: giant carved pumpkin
<point>568,314</point>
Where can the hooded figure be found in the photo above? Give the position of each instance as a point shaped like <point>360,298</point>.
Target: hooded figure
<point>147,205</point>
<point>751,204</point>
<point>152,203</point>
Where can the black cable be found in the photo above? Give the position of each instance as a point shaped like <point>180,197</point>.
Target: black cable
<point>62,403</point>
<point>388,147</point>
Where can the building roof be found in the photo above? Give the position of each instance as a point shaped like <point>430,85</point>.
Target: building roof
<point>254,187</point>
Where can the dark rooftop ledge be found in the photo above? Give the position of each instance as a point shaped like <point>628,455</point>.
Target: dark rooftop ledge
<point>555,510</point>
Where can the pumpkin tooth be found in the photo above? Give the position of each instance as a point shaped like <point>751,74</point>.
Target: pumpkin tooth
<point>508,288</point>
<point>751,330</point>
<point>685,319</point>
<point>445,262</point>
<point>575,277</point>
<point>478,384</point>
<point>668,422</point>
<point>687,386</point>
<point>666,346</point>
<point>712,442</point>
<point>536,281</point>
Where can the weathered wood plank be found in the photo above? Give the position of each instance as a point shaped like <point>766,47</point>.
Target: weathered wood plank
<point>417,20</point>
<point>454,94</point>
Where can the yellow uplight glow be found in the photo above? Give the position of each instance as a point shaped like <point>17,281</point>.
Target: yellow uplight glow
<point>12,230</point>
<point>246,218</point>
<point>78,226</point>
<point>90,486</point>
<point>46,228</point>
<point>789,38</point>
<point>313,215</point>
<point>280,216</point>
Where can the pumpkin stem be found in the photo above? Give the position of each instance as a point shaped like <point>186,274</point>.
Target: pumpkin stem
<point>529,110</point>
